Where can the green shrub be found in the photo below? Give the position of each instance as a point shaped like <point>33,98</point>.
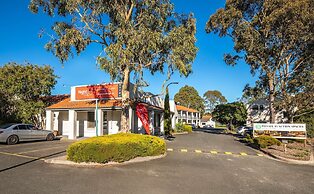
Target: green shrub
<point>188,128</point>
<point>264,141</point>
<point>180,127</point>
<point>118,148</point>
<point>248,139</point>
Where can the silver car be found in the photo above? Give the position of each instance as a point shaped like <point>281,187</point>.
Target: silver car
<point>14,133</point>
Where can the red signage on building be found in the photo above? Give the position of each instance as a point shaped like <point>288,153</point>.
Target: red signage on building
<point>142,113</point>
<point>98,91</point>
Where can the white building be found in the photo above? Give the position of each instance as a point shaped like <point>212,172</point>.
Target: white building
<point>78,115</point>
<point>258,112</point>
<point>207,121</point>
<point>184,115</point>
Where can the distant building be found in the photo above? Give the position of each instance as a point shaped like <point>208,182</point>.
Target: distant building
<point>258,112</point>
<point>207,121</point>
<point>182,114</point>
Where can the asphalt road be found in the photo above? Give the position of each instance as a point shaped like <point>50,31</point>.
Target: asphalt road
<point>182,171</point>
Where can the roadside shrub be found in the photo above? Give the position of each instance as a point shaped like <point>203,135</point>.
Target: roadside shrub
<point>116,148</point>
<point>188,128</point>
<point>180,127</point>
<point>248,139</point>
<point>264,141</point>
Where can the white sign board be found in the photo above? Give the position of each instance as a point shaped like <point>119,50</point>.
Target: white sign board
<point>288,131</point>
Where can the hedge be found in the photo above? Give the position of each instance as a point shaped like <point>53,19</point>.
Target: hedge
<point>180,127</point>
<point>116,148</point>
<point>264,141</point>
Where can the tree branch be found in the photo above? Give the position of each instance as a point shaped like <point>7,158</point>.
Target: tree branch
<point>89,28</point>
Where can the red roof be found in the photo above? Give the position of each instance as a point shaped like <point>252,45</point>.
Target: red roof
<point>179,107</point>
<point>68,104</point>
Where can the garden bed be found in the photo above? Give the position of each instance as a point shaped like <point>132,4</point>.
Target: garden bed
<point>295,151</point>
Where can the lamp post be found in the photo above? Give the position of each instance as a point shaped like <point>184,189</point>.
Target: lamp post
<point>171,83</point>
<point>167,114</point>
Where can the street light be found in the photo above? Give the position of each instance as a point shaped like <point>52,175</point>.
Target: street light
<point>171,83</point>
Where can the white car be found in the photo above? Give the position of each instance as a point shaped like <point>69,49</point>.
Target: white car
<point>14,133</point>
<point>241,130</point>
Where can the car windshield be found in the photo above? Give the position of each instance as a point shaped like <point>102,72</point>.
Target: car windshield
<point>5,126</point>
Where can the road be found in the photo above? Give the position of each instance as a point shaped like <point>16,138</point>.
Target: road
<point>201,162</point>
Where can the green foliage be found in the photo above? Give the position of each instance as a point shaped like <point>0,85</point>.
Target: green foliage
<point>265,141</point>
<point>187,128</point>
<point>22,88</point>
<point>115,148</point>
<point>275,38</point>
<point>189,97</point>
<point>212,99</point>
<point>231,114</point>
<point>167,115</point>
<point>133,35</point>
<point>181,127</point>
<point>248,139</point>
<point>308,119</point>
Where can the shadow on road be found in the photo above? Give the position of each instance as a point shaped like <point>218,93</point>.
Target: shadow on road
<point>210,130</point>
<point>32,141</point>
<point>36,159</point>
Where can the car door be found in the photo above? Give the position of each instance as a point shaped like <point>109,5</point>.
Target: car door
<point>24,132</point>
<point>36,133</point>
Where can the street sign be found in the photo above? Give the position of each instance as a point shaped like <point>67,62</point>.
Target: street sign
<point>280,131</point>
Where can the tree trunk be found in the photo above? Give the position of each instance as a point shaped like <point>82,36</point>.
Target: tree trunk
<point>272,115</point>
<point>125,102</point>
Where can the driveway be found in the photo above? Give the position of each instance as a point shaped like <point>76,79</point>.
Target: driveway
<point>180,171</point>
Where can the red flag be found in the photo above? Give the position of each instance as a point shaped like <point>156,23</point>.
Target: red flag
<point>142,113</point>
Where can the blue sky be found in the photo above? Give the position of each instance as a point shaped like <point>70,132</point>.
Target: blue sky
<point>20,43</point>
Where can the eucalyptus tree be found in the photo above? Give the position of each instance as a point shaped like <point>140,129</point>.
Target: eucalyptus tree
<point>133,35</point>
<point>274,37</point>
<point>212,98</point>
<point>188,96</point>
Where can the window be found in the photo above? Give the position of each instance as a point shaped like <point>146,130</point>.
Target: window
<point>255,107</point>
<point>32,127</point>
<point>91,119</point>
<point>23,127</point>
<point>16,128</point>
<point>261,107</point>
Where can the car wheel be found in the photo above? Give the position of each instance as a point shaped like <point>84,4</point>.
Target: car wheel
<point>50,137</point>
<point>13,139</point>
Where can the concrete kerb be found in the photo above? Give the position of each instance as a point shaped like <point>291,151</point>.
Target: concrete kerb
<point>63,161</point>
<point>180,133</point>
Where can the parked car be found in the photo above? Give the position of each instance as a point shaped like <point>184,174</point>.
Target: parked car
<point>249,131</point>
<point>242,130</point>
<point>14,133</point>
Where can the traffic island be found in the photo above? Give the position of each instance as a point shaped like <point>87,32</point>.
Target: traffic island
<point>62,160</point>
<point>113,149</point>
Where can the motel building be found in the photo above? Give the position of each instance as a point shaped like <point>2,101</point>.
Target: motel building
<point>95,110</point>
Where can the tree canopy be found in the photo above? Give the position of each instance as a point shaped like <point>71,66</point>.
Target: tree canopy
<point>233,114</point>
<point>189,97</point>
<point>132,35</point>
<point>22,88</point>
<point>274,37</point>
<point>212,98</point>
